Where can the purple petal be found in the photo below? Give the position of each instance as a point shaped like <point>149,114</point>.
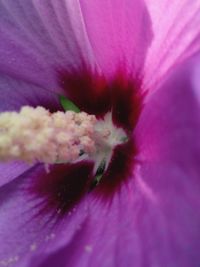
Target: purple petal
<point>152,221</point>
<point>105,239</point>
<point>17,93</point>
<point>10,171</point>
<point>119,32</point>
<point>176,36</point>
<point>39,37</point>
<point>27,225</point>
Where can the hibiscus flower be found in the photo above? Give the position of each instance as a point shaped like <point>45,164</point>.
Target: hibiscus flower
<point>138,61</point>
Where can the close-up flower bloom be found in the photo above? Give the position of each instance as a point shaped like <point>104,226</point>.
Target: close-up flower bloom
<point>99,133</point>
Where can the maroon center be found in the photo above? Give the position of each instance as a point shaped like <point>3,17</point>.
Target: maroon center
<point>65,185</point>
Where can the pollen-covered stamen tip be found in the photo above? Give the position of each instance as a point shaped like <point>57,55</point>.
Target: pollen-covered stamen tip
<point>107,137</point>
<point>36,135</point>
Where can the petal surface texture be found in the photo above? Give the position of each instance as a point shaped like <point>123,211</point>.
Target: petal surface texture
<point>10,171</point>
<point>119,32</point>
<point>168,137</point>
<point>40,37</point>
<point>176,27</point>
<point>32,221</point>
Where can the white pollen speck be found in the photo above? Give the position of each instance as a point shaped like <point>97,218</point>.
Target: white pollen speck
<point>16,258</point>
<point>9,261</point>
<point>50,237</point>
<point>59,211</point>
<point>88,248</point>
<point>46,167</point>
<point>3,263</point>
<point>33,247</point>
<point>78,227</point>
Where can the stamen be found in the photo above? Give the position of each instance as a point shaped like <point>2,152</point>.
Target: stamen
<point>36,135</point>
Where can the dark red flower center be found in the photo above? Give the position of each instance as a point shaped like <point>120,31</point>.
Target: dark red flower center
<point>65,185</point>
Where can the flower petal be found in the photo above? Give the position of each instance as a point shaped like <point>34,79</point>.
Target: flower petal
<point>169,126</point>
<point>136,228</point>
<point>39,37</point>
<point>168,177</point>
<point>16,93</point>
<point>119,32</point>
<point>176,36</point>
<point>26,226</point>
<point>170,217</point>
<point>10,171</point>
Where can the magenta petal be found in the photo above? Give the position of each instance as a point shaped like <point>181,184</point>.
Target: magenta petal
<point>39,37</point>
<point>119,32</point>
<point>141,230</point>
<point>176,36</point>
<point>169,219</point>
<point>169,126</point>
<point>168,176</point>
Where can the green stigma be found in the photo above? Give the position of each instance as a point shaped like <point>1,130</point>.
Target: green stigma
<point>68,104</point>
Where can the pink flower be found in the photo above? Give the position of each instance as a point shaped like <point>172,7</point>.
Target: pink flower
<point>136,59</point>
